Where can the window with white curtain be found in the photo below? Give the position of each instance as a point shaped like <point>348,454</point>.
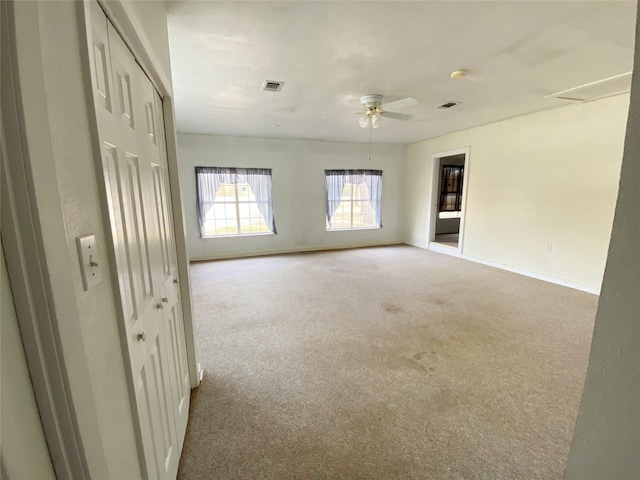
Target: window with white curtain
<point>234,201</point>
<point>354,199</point>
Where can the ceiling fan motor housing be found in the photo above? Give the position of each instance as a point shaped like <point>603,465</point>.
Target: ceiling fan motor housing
<point>371,101</point>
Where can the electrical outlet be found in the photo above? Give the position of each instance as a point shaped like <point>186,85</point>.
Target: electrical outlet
<point>549,247</point>
<point>89,261</point>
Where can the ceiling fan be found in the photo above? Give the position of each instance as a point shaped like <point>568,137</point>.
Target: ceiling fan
<point>374,110</point>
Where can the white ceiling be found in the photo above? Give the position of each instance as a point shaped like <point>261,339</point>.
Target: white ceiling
<point>331,53</point>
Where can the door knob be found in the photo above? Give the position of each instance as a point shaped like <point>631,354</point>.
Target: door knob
<point>159,306</point>
<point>141,336</point>
<point>165,299</point>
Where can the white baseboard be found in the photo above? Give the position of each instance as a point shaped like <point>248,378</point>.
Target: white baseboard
<point>526,273</point>
<point>205,258</point>
<point>431,246</point>
<point>200,373</point>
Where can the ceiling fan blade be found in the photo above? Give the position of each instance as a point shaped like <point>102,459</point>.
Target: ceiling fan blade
<point>397,116</point>
<point>397,105</point>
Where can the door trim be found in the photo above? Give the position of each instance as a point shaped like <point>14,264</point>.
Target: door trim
<point>435,181</point>
<point>41,282</point>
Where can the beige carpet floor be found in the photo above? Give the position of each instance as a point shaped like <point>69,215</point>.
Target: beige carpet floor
<point>383,363</point>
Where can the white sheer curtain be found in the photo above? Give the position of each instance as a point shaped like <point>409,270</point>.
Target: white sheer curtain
<point>209,179</point>
<point>337,179</point>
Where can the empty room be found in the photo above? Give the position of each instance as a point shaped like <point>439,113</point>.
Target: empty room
<point>491,140</point>
<point>320,240</point>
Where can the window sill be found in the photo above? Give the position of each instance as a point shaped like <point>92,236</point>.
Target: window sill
<point>353,229</point>
<point>236,235</point>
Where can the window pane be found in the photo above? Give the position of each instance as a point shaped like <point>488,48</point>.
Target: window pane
<point>244,209</point>
<point>254,225</point>
<point>226,227</point>
<point>230,211</point>
<point>346,193</point>
<point>226,193</point>
<point>363,215</point>
<point>360,191</point>
<point>354,214</point>
<point>342,217</point>
<point>243,192</point>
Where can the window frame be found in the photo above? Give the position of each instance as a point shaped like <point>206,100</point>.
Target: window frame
<point>205,205</point>
<point>352,201</point>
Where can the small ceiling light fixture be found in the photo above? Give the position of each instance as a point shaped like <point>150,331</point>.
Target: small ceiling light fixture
<point>460,73</point>
<point>376,120</point>
<point>370,119</point>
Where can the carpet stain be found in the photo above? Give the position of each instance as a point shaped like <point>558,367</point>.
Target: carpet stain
<point>391,308</point>
<point>424,360</point>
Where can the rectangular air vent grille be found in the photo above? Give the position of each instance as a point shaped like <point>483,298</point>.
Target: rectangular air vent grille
<point>272,86</point>
<point>449,104</point>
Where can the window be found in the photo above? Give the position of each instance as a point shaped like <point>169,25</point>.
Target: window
<point>354,199</point>
<point>234,201</point>
<point>450,205</point>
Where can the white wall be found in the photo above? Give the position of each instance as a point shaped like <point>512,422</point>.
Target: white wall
<point>61,40</point>
<point>546,178</point>
<point>606,442</point>
<point>298,191</point>
<point>24,448</point>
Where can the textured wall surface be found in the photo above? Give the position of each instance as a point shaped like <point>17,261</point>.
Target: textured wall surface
<point>77,182</point>
<point>298,191</point>
<point>548,178</point>
<point>606,440</point>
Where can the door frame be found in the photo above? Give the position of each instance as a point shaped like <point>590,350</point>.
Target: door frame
<point>42,280</point>
<point>42,286</point>
<point>436,160</point>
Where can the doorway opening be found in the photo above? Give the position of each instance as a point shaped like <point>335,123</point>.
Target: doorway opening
<point>450,171</point>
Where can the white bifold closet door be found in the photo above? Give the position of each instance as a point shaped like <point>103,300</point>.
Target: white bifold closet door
<point>134,161</point>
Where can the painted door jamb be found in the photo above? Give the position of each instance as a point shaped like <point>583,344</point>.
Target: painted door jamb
<point>435,180</point>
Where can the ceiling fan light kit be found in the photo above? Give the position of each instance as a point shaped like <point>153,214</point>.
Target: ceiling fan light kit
<point>374,110</point>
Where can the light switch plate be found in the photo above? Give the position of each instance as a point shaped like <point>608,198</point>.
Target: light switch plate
<point>90,262</point>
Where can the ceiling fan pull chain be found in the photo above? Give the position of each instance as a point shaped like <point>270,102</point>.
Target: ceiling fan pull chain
<point>370,127</point>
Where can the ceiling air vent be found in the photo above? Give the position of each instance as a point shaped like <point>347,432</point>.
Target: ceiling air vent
<point>449,104</point>
<point>272,86</point>
<point>607,87</point>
